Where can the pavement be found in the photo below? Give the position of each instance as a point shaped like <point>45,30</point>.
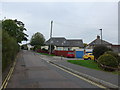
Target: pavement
<point>33,71</point>
<point>106,78</point>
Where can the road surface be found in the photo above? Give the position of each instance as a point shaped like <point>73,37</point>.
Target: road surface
<point>32,71</point>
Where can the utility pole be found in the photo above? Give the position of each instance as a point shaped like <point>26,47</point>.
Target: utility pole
<point>101,35</point>
<point>51,36</point>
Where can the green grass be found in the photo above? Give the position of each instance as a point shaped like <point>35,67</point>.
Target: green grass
<point>86,63</point>
<point>89,64</point>
<point>47,54</point>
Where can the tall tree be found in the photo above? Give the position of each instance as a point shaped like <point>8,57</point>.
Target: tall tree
<point>37,39</point>
<point>15,29</point>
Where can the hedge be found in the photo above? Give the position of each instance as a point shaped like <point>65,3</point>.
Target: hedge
<point>9,49</point>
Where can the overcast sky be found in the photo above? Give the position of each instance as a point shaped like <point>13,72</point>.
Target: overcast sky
<point>72,20</point>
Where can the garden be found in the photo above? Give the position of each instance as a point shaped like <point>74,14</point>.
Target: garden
<point>105,59</point>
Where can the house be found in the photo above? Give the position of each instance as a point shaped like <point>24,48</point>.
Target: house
<point>61,43</point>
<point>116,48</point>
<point>98,41</point>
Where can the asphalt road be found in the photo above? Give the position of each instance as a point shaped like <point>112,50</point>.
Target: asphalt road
<point>31,71</point>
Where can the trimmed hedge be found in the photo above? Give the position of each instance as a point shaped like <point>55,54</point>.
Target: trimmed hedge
<point>9,49</point>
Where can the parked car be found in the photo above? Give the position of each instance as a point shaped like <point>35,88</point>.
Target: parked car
<point>88,56</point>
<point>71,55</point>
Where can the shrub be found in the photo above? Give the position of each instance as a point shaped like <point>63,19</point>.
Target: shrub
<point>100,50</point>
<point>9,49</point>
<point>108,60</point>
<point>115,55</point>
<point>36,47</point>
<point>24,47</point>
<point>44,49</point>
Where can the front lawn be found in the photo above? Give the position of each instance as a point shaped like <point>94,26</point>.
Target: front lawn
<point>85,63</point>
<point>89,64</point>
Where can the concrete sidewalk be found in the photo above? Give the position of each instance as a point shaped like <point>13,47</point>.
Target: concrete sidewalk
<point>101,75</point>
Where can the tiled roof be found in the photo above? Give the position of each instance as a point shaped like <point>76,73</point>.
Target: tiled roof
<point>61,41</point>
<point>98,42</point>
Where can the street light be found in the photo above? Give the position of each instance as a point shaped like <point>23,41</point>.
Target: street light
<point>101,35</point>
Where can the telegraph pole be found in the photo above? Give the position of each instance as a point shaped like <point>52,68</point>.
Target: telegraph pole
<point>51,36</point>
<point>101,35</point>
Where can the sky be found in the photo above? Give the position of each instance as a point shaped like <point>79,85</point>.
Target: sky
<point>72,20</point>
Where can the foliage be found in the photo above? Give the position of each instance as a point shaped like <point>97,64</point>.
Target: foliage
<point>9,49</point>
<point>15,29</point>
<point>114,54</point>
<point>44,49</point>
<point>37,39</point>
<point>100,50</point>
<point>36,47</point>
<point>24,47</point>
<point>108,60</point>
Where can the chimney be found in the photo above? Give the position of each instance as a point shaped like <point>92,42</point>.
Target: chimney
<point>98,37</point>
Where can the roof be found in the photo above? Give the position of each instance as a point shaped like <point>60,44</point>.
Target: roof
<point>98,42</point>
<point>61,41</point>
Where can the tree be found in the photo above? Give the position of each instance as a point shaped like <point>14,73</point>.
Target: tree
<point>15,29</point>
<point>37,39</point>
<point>100,50</point>
<point>12,34</point>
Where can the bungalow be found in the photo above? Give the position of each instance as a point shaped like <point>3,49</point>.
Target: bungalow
<point>98,41</point>
<point>61,43</point>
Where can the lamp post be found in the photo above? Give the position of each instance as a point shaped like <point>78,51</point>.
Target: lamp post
<point>51,36</point>
<point>101,35</point>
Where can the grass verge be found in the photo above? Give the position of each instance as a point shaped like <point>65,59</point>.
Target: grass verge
<point>85,63</point>
<point>47,54</point>
<point>89,64</point>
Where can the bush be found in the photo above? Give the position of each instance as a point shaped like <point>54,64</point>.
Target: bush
<point>115,55</point>
<point>9,49</point>
<point>24,47</point>
<point>100,50</point>
<point>36,47</point>
<point>43,49</point>
<point>108,60</point>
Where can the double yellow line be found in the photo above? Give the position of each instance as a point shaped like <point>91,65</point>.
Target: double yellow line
<point>5,82</point>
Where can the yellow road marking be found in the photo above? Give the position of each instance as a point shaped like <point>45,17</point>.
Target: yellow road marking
<point>79,76</point>
<point>5,82</point>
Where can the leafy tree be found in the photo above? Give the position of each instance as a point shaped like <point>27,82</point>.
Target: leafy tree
<point>12,34</point>
<point>37,39</point>
<point>15,29</point>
